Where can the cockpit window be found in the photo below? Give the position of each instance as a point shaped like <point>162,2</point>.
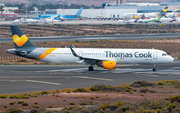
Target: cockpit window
<point>164,54</point>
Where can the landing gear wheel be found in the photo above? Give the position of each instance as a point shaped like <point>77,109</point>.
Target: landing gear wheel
<point>91,68</point>
<point>154,69</point>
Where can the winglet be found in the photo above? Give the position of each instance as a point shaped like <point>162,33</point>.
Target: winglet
<point>73,52</point>
<point>72,46</point>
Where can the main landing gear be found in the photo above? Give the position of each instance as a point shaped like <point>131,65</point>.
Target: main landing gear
<point>154,67</point>
<point>91,68</point>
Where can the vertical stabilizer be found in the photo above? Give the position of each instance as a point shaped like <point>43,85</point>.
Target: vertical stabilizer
<point>165,9</point>
<point>20,40</point>
<point>79,12</point>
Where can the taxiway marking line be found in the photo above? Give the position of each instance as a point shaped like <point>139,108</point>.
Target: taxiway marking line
<point>85,77</point>
<point>63,70</point>
<point>43,82</point>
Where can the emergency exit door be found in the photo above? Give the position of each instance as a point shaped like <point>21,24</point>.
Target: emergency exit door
<point>155,55</point>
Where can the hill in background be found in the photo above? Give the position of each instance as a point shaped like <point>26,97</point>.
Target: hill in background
<point>80,2</point>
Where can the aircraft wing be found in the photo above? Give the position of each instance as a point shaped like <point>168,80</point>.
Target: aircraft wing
<point>88,60</point>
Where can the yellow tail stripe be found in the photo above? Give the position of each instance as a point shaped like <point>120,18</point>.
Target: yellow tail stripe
<point>178,15</point>
<point>20,41</point>
<point>164,10</point>
<point>47,52</point>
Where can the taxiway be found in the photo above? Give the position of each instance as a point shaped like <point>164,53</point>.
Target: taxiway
<point>97,37</point>
<point>31,78</point>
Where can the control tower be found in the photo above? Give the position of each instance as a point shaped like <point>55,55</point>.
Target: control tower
<point>121,2</point>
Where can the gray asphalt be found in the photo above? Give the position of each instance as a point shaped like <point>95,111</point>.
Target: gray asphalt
<point>101,37</point>
<point>88,22</point>
<point>30,78</point>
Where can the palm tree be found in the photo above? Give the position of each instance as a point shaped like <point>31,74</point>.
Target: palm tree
<point>1,9</point>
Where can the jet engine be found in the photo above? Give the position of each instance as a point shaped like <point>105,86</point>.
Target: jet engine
<point>107,64</point>
<point>136,17</point>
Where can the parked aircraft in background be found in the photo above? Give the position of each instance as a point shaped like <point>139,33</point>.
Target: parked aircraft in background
<point>77,15</point>
<point>35,20</point>
<point>171,19</point>
<point>139,20</point>
<point>51,19</point>
<point>54,18</point>
<point>17,21</point>
<point>150,20</point>
<point>171,14</point>
<point>128,21</point>
<point>57,19</point>
<point>145,15</point>
<point>24,20</point>
<point>106,57</point>
<point>48,16</point>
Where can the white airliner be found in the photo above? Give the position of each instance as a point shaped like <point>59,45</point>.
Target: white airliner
<point>106,57</point>
<point>23,20</point>
<point>145,15</point>
<point>171,19</point>
<point>138,15</point>
<point>171,14</point>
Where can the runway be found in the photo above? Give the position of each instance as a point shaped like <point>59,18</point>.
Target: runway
<point>30,78</point>
<point>97,37</point>
<point>87,22</point>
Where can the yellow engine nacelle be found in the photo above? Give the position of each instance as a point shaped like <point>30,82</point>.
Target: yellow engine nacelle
<point>109,64</point>
<point>136,17</point>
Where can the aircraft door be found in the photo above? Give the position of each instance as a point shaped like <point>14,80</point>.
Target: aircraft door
<point>80,53</point>
<point>155,55</point>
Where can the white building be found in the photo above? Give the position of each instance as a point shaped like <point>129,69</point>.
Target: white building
<point>112,10</point>
<point>95,13</point>
<point>9,10</point>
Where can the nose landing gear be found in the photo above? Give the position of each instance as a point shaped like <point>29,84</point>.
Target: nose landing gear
<point>154,67</point>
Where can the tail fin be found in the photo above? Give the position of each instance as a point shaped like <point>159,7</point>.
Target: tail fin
<point>137,19</point>
<point>58,17</point>
<point>20,40</point>
<point>159,17</point>
<point>177,14</point>
<point>173,16</point>
<point>79,12</point>
<point>165,9</point>
<point>39,15</point>
<point>37,18</point>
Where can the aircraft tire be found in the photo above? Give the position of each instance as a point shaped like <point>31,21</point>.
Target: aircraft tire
<point>154,69</point>
<point>91,68</point>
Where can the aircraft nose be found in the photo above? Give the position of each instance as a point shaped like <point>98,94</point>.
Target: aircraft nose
<point>171,59</point>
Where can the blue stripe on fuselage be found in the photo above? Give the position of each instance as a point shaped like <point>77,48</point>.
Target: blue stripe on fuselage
<point>47,16</point>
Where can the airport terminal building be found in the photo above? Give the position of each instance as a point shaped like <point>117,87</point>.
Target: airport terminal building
<point>118,10</point>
